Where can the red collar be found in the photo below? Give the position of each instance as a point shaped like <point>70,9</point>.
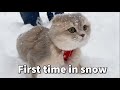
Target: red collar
<point>67,54</point>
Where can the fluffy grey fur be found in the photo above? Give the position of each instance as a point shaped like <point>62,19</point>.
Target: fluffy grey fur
<point>43,46</point>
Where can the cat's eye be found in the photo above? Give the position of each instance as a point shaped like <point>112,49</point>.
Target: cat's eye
<point>85,27</point>
<point>72,30</point>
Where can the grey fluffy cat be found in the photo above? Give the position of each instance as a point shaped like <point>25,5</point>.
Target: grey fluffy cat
<point>43,46</point>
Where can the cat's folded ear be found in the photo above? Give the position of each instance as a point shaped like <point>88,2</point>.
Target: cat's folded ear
<point>65,17</point>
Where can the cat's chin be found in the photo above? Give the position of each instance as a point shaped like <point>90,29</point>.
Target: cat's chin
<point>71,48</point>
<point>83,43</point>
<point>67,48</point>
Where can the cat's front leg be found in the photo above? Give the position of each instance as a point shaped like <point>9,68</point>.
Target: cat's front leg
<point>74,60</point>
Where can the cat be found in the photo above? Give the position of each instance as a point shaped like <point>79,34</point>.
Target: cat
<point>42,46</point>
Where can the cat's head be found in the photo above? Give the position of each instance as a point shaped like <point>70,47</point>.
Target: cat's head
<point>70,31</point>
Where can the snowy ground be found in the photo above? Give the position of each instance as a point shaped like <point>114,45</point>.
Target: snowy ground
<point>101,51</point>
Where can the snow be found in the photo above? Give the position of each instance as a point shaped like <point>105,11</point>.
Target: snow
<point>102,49</point>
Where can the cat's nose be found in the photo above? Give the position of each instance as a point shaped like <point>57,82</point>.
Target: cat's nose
<point>82,35</point>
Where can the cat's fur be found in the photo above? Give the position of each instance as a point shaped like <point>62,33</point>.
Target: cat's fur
<point>43,46</point>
